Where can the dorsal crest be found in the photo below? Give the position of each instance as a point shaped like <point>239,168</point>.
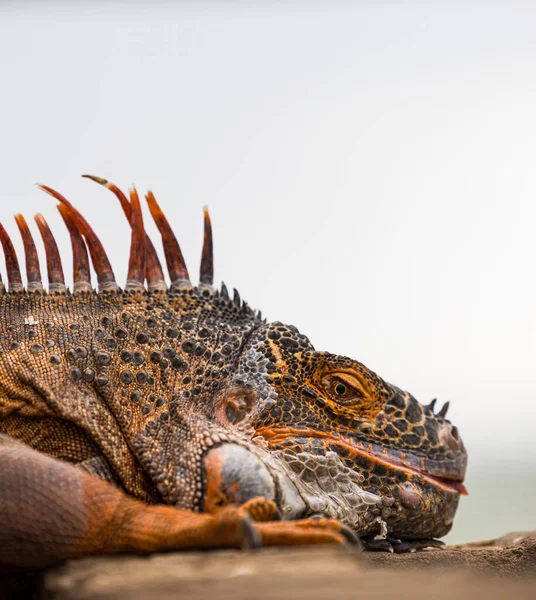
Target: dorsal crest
<point>145,272</point>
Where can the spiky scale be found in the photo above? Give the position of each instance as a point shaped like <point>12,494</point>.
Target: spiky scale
<point>56,279</point>
<point>206,272</point>
<point>178,272</point>
<point>33,271</point>
<point>101,264</point>
<point>153,274</point>
<point>12,264</point>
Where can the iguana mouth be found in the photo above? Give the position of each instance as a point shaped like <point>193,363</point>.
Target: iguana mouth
<point>375,454</point>
<point>452,484</point>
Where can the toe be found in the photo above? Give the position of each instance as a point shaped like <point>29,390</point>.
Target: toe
<point>261,509</point>
<point>304,532</point>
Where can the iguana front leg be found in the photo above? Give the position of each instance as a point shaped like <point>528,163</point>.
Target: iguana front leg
<point>52,511</point>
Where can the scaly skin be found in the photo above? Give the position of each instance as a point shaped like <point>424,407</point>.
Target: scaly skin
<point>143,420</point>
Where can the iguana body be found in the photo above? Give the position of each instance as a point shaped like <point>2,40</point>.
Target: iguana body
<point>143,420</point>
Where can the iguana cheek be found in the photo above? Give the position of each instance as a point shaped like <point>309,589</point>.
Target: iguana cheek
<point>233,475</point>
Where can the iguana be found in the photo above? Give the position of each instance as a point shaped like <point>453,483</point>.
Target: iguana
<point>161,417</point>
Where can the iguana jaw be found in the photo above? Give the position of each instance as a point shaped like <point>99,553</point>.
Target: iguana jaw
<point>451,482</point>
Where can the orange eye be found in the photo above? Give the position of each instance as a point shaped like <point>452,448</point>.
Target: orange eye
<point>344,389</point>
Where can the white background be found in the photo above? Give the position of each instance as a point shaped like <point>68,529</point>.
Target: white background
<point>369,170</point>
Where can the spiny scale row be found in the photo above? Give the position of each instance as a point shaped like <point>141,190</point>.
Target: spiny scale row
<point>144,264</point>
<point>442,413</point>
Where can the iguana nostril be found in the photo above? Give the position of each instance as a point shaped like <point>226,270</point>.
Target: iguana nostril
<point>448,434</point>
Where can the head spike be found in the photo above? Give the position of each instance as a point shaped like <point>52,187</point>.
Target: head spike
<point>101,264</point>
<point>33,270</point>
<point>136,263</point>
<point>236,297</point>
<point>206,273</point>
<point>178,272</point>
<point>153,269</point>
<point>56,280</point>
<point>443,412</point>
<point>81,271</point>
<point>14,278</point>
<point>224,291</point>
<point>431,406</point>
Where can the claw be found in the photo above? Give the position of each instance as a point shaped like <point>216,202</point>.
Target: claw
<point>423,544</point>
<point>373,545</point>
<point>251,538</point>
<point>392,544</point>
<point>348,533</point>
<point>351,537</point>
<point>400,547</point>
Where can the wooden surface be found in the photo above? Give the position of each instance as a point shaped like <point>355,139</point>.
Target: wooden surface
<point>472,571</point>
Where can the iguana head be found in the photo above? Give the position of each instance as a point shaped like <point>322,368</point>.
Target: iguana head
<point>217,405</point>
<point>343,430</point>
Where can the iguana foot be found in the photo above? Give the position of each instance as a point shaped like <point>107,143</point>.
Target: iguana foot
<point>392,544</point>
<point>305,532</point>
<point>261,509</point>
<point>162,528</point>
<point>261,525</point>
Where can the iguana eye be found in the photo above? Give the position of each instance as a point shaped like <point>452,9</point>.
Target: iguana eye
<point>340,389</point>
<point>343,388</point>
